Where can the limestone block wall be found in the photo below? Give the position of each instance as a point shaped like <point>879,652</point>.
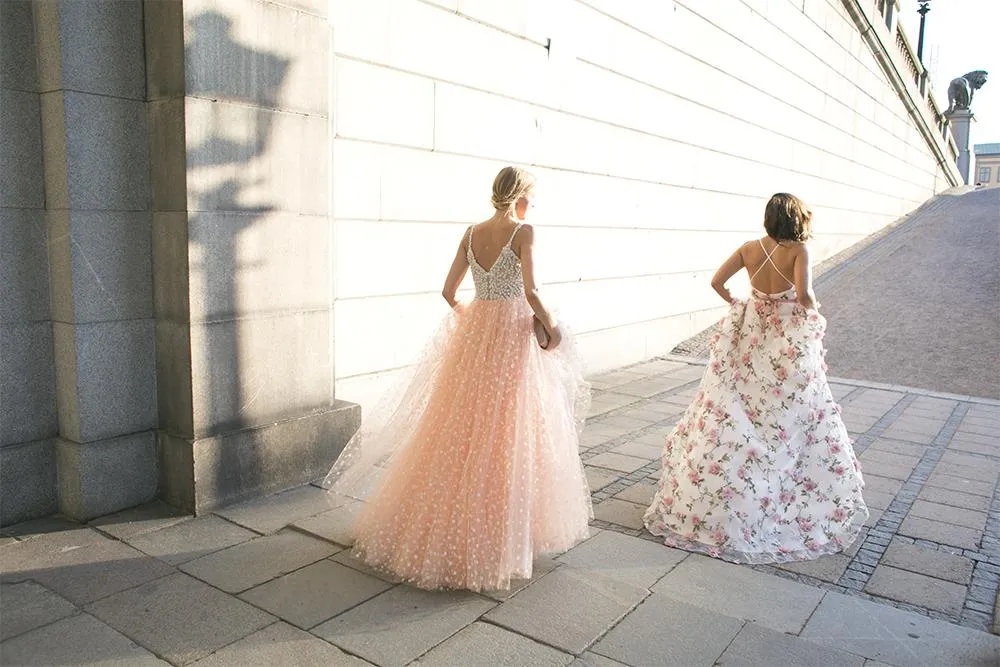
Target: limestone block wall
<point>658,130</point>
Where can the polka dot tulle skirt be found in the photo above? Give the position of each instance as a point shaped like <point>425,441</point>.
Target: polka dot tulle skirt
<point>470,468</point>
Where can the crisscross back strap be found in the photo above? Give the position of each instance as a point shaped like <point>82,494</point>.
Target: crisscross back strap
<point>768,260</point>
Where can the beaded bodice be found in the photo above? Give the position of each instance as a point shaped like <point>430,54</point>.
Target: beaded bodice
<point>503,280</point>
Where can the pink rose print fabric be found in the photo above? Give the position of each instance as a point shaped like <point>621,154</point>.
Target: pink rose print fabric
<point>760,469</point>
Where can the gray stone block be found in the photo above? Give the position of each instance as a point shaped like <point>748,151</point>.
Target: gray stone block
<point>621,513</point>
<point>17,46</point>
<point>53,110</point>
<point>78,640</point>
<point>882,632</point>
<point>27,481</point>
<point>168,172</point>
<point>101,45</point>
<point>29,530</point>
<point>632,560</point>
<point>402,624</point>
<point>250,463</point>
<point>171,298</point>
<point>826,568</point>
<point>285,67</point>
<point>589,659</point>
<point>740,592</point>
<point>24,265</point>
<point>283,157</point>
<point>21,180</point>
<point>316,593</point>
<point>280,644</point>
<point>192,539</point>
<point>568,609</point>
<point>252,563</point>
<point>664,631</point>
<point>174,403</point>
<point>106,377</point>
<point>948,514</point>
<point>272,513</point>
<point>80,565</point>
<point>107,150</point>
<point>940,532</point>
<point>482,645</point>
<point>287,259</point>
<point>757,645</point>
<point>105,476</point>
<point>108,272</point>
<point>335,525</point>
<point>27,606</point>
<point>916,589</point>
<point>180,618</point>
<point>257,371</point>
<point>27,383</point>
<point>135,521</point>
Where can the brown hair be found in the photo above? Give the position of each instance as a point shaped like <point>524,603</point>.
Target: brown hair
<point>511,184</point>
<point>787,218</point>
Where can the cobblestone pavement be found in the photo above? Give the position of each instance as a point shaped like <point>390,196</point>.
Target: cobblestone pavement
<point>919,303</point>
<point>268,582</point>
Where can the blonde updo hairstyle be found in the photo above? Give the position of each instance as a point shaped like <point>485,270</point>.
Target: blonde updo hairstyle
<point>510,185</point>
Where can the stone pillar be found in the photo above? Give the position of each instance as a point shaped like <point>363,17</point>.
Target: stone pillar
<point>243,248</point>
<point>96,164</point>
<point>961,126</point>
<point>28,424</point>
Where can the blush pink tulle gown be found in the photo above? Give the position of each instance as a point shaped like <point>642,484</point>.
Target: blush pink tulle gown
<point>471,468</point>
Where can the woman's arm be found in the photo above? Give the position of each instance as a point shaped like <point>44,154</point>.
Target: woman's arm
<point>459,267</point>
<point>728,269</point>
<point>526,246</point>
<point>803,280</point>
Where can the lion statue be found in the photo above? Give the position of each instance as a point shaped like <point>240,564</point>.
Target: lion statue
<point>961,90</point>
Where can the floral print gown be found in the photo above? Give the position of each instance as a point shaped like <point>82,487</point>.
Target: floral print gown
<point>760,469</point>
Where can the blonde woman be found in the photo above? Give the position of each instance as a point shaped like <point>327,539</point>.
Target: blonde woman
<point>760,468</point>
<point>473,469</point>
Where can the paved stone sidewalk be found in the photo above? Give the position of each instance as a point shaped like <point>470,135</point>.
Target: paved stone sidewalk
<point>268,583</point>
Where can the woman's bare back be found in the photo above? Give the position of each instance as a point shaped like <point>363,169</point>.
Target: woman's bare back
<point>776,275</point>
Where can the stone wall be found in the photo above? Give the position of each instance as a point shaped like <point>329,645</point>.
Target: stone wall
<point>28,421</point>
<point>658,131</point>
<point>239,106</point>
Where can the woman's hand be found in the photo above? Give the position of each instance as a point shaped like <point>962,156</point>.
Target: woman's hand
<point>555,337</point>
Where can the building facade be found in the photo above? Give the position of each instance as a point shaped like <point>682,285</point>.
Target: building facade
<point>225,223</point>
<point>987,169</point>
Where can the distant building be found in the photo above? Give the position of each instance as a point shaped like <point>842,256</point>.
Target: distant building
<point>987,171</point>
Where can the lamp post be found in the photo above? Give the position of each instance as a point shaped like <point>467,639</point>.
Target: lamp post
<point>924,8</point>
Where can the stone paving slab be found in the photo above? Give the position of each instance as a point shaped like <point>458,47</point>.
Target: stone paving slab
<point>932,562</point>
<point>139,520</point>
<point>191,539</point>
<point>894,636</point>
<point>639,563</point>
<point>271,514</point>
<point>918,589</point>
<point>252,563</point>
<point>78,640</point>
<point>316,593</point>
<point>568,609</point>
<point>402,624</point>
<point>81,565</point>
<point>740,592</point>
<point>28,605</point>
<point>280,644</point>
<point>666,631</point>
<point>180,618</point>
<point>486,645</point>
<point>756,646</point>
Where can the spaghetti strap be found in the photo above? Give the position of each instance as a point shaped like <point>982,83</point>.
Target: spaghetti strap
<point>517,228</point>
<point>768,260</point>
